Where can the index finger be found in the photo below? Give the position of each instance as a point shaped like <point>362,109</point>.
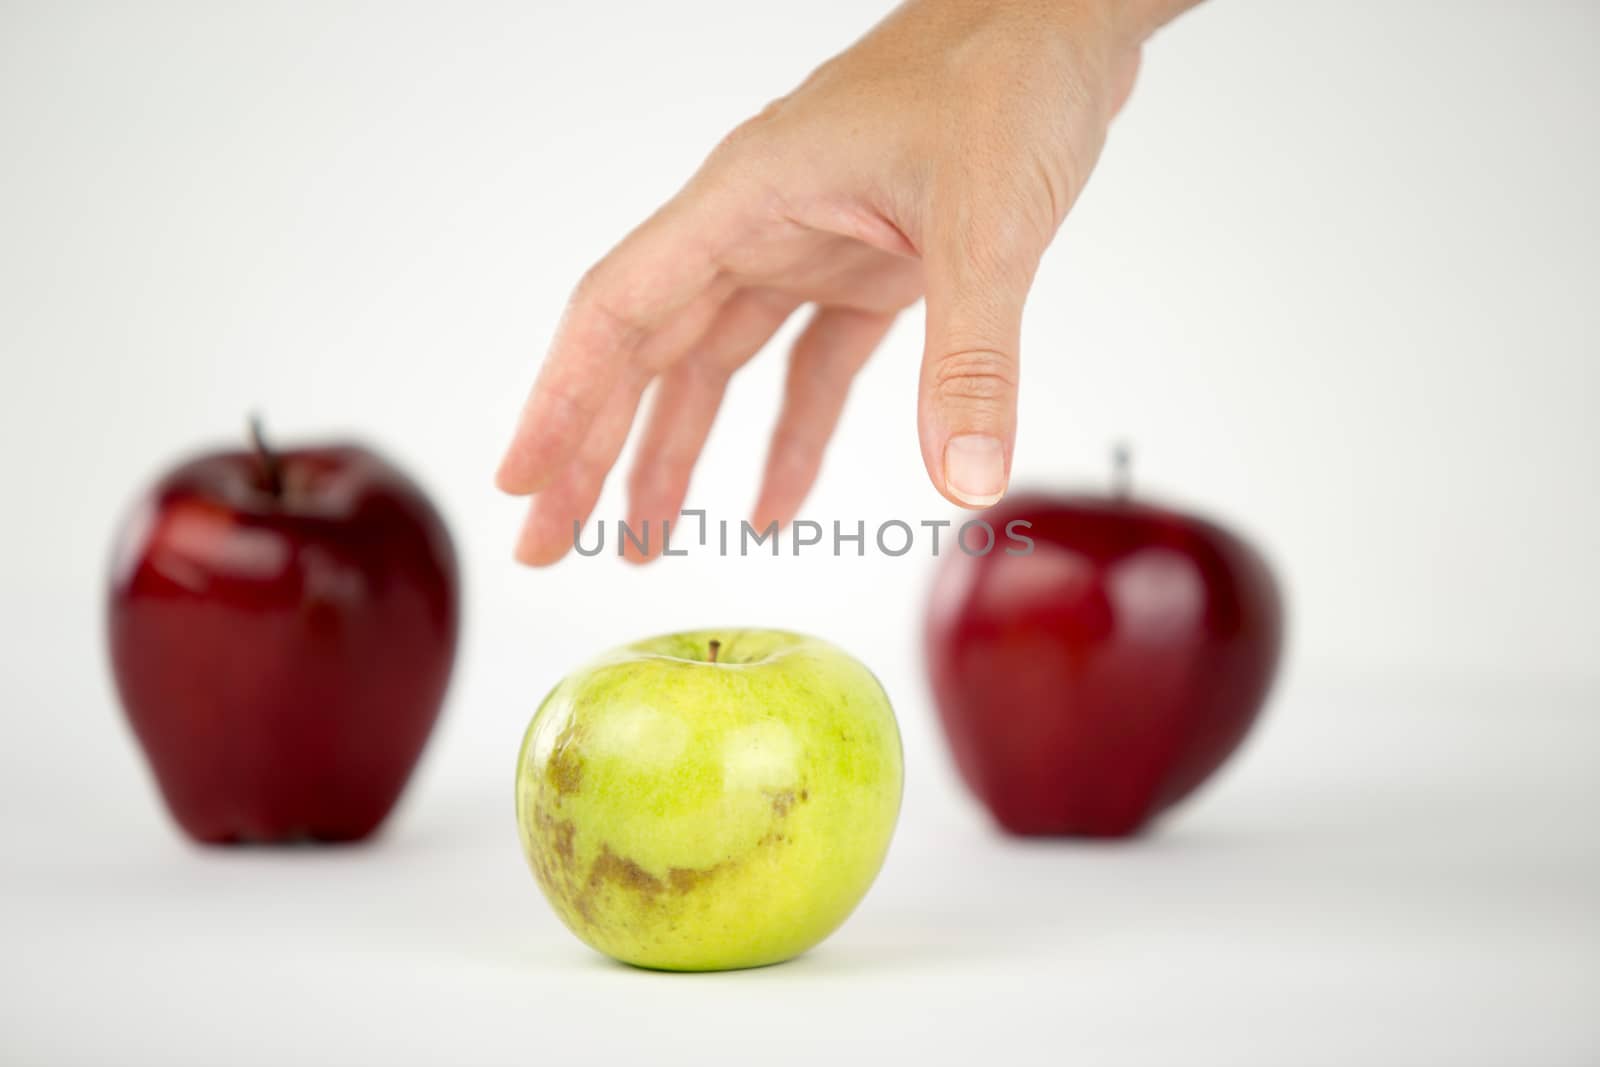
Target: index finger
<point>656,270</point>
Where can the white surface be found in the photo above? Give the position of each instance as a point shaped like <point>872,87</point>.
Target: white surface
<point>1386,876</point>
<point>1336,277</point>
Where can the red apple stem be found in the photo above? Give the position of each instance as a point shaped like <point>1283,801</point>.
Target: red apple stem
<point>713,648</point>
<point>1122,469</point>
<point>271,469</point>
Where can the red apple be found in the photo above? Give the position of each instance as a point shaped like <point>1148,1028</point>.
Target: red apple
<point>1098,680</point>
<point>282,628</point>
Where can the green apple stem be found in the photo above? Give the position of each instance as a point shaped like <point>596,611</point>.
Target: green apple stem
<point>1121,470</point>
<point>271,469</point>
<point>714,647</point>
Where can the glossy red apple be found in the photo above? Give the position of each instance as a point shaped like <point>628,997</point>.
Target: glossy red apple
<point>282,628</point>
<point>1093,683</point>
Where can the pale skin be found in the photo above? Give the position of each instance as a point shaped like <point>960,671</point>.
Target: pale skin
<point>933,160</point>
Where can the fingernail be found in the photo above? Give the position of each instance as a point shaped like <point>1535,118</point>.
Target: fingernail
<point>975,469</point>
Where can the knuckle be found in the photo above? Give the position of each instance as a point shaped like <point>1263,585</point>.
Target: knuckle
<point>795,455</point>
<point>799,437</point>
<point>596,307</point>
<point>576,404</point>
<point>985,378</point>
<point>1006,228</point>
<point>590,285</point>
<point>709,376</point>
<point>654,481</point>
<point>819,373</point>
<point>745,157</point>
<point>644,478</point>
<point>755,126</point>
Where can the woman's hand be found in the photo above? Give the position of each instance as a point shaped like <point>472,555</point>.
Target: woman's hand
<point>936,157</point>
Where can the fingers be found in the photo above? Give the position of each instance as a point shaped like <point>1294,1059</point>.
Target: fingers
<point>655,272</point>
<point>978,270</point>
<point>826,358</point>
<point>547,533</point>
<point>685,405</point>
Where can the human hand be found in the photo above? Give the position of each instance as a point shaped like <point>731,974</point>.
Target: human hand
<point>936,157</point>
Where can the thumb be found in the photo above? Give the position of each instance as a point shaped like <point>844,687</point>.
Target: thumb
<point>977,280</point>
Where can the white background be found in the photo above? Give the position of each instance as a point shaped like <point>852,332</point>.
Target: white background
<point>1335,278</point>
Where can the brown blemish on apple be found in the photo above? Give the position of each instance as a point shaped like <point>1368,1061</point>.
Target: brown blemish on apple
<point>686,879</point>
<point>577,892</point>
<point>783,801</point>
<point>610,867</point>
<point>565,769</point>
<point>627,874</point>
<point>554,860</point>
<point>561,839</point>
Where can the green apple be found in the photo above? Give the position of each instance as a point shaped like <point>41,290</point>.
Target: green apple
<point>710,800</point>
